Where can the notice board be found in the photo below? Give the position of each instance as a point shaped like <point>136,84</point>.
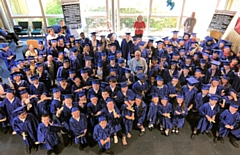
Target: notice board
<point>220,20</point>
<point>72,15</point>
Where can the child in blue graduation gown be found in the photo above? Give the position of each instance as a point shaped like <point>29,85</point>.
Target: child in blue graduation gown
<point>229,120</point>
<point>153,111</point>
<point>56,102</point>
<point>207,113</point>
<point>161,89</point>
<point>37,88</point>
<point>180,111</point>
<point>78,126</point>
<point>140,113</point>
<point>140,86</point>
<point>165,112</point>
<point>46,136</point>
<point>25,124</point>
<point>101,134</point>
<point>19,84</point>
<point>112,114</point>
<point>128,117</point>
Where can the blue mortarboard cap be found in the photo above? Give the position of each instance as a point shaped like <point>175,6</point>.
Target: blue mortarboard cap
<point>93,34</point>
<point>174,77</point>
<point>60,39</point>
<point>65,60</point>
<point>170,46</point>
<point>150,40</point>
<point>88,58</point>
<point>103,54</point>
<point>203,61</point>
<point>112,79</point>
<point>109,100</point>
<point>134,38</point>
<point>40,42</point>
<point>215,78</point>
<point>26,69</point>
<point>127,70</point>
<point>86,45</point>
<point>188,57</point>
<point>208,38</point>
<point>102,36</point>
<point>23,91</point>
<point>31,58</point>
<point>185,67</point>
<point>60,53</point>
<point>217,63</point>
<point>181,39</point>
<point>99,45</point>
<point>103,84</point>
<point>174,62</point>
<point>205,87</point>
<point>226,77</point>
<point>214,97</point>
<point>95,81</point>
<point>175,54</point>
<point>180,95</point>
<point>113,69</point>
<point>81,93</point>
<point>3,45</point>
<point>198,70</point>
<point>74,50</point>
<point>139,96</point>
<point>226,63</point>
<point>39,64</point>
<point>110,35</point>
<point>194,34</point>
<point>67,43</point>
<point>20,110</point>
<point>67,96</point>
<point>34,77</point>
<point>165,39</point>
<point>84,70</point>
<point>159,42</point>
<point>141,76</point>
<point>141,43</point>
<point>131,96</point>
<point>234,104</point>
<point>76,41</point>
<point>71,36</point>
<point>10,91</point>
<point>71,71</point>
<point>101,118</point>
<point>118,51</point>
<point>16,74</point>
<point>100,64</point>
<point>121,60</point>
<point>53,40</point>
<point>192,81</point>
<point>139,68</point>
<point>164,98</point>
<point>60,79</point>
<point>155,95</point>
<point>92,96</point>
<point>194,42</point>
<point>159,78</point>
<point>216,51</point>
<point>175,32</point>
<point>74,109</point>
<point>112,44</point>
<point>112,57</point>
<point>182,50</point>
<point>55,90</point>
<point>123,84</point>
<point>227,46</point>
<point>128,33</point>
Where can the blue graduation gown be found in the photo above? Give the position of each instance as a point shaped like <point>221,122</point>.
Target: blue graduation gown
<point>43,108</point>
<point>29,126</point>
<point>87,82</point>
<point>166,75</point>
<point>92,92</point>
<point>65,114</point>
<point>209,73</point>
<point>78,127</point>
<point>114,123</point>
<point>75,87</point>
<point>165,121</point>
<point>144,54</point>
<point>152,113</point>
<point>53,52</point>
<point>74,63</point>
<point>182,79</point>
<point>22,84</point>
<point>62,72</point>
<point>178,120</point>
<point>127,49</point>
<point>45,135</point>
<point>93,109</point>
<point>10,107</point>
<point>120,97</point>
<point>5,54</point>
<point>160,91</point>
<point>39,90</point>
<point>199,100</point>
<point>205,109</point>
<point>189,95</point>
<point>227,118</point>
<point>67,90</point>
<point>127,124</point>
<point>139,88</point>
<point>54,105</point>
<point>2,116</point>
<point>112,93</point>
<point>102,134</point>
<point>43,51</point>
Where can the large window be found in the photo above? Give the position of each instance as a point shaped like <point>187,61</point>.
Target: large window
<point>24,7</point>
<point>52,7</point>
<point>159,7</point>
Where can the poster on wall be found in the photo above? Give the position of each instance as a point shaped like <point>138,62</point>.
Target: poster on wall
<point>237,26</point>
<point>220,20</point>
<point>72,15</point>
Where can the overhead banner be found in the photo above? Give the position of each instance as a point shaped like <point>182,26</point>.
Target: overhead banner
<point>221,19</point>
<point>72,15</point>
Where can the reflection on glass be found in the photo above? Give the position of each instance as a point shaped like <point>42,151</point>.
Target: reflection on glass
<point>53,21</point>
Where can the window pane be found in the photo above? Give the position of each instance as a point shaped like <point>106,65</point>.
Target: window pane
<point>52,7</point>
<point>162,24</point>
<point>24,7</point>
<point>94,7</point>
<point>126,24</point>
<point>204,10</point>
<point>134,7</point>
<point>53,21</point>
<point>99,25</point>
<point>159,7</point>
<point>29,20</point>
